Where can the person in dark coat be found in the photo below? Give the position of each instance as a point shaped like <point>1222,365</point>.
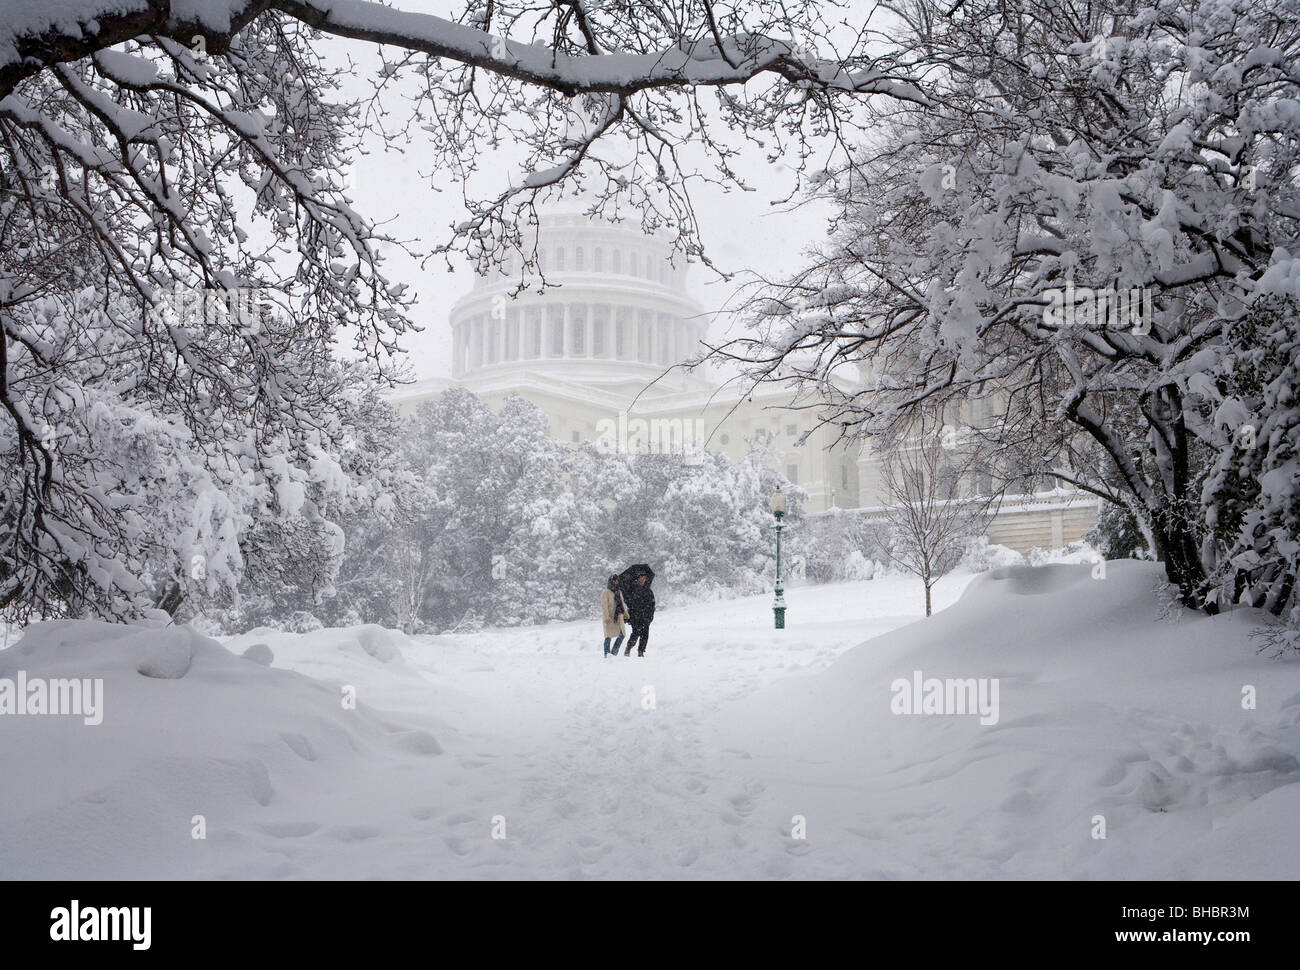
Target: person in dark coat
<point>640,600</point>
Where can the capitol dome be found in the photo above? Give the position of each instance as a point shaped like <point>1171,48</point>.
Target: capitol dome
<point>615,309</point>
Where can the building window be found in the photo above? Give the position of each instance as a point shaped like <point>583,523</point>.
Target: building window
<point>632,264</point>
<point>844,476</point>
<point>791,430</point>
<point>577,436</point>
<point>643,341</point>
<point>598,260</point>
<point>578,331</point>
<point>725,438</point>
<point>559,260</point>
<point>616,261</point>
<point>557,335</point>
<point>792,474</point>
<point>578,260</point>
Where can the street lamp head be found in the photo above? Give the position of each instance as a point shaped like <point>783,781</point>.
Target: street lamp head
<point>778,503</point>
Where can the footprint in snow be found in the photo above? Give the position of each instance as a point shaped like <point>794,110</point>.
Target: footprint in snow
<point>1018,803</point>
<point>300,746</point>
<point>743,804</point>
<point>457,844</point>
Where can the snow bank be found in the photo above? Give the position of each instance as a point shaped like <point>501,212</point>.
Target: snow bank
<point>369,643</point>
<point>1108,715</point>
<point>190,729</point>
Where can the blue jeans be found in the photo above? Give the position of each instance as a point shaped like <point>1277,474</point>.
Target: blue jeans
<point>617,643</point>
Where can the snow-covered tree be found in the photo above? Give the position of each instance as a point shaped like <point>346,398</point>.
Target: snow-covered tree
<point>1251,492</point>
<point>1072,230</point>
<point>491,521</point>
<point>839,544</point>
<point>178,252</point>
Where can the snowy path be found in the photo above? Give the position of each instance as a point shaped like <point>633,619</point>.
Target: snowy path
<point>609,768</point>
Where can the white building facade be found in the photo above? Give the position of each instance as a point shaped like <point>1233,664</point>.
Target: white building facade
<point>596,350</point>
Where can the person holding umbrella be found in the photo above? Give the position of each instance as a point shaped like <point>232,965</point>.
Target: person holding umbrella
<point>640,598</point>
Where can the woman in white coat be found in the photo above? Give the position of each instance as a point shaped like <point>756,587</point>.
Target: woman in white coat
<point>613,611</point>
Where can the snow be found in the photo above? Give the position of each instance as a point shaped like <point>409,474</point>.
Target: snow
<point>691,763</point>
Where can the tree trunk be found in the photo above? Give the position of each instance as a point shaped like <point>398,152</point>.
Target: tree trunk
<point>927,597</point>
<point>171,599</point>
<point>1181,554</point>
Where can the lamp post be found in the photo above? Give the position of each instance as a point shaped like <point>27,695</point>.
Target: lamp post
<point>778,605</point>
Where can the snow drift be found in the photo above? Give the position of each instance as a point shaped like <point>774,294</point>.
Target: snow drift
<point>1113,720</point>
<point>189,729</point>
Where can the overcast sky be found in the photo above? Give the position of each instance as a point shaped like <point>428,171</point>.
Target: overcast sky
<point>742,230</point>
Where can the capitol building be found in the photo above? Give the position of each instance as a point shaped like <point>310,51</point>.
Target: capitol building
<point>595,352</point>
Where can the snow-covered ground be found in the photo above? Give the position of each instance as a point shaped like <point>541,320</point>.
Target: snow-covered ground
<point>695,762</point>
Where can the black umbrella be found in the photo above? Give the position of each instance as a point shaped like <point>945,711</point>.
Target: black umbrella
<point>628,576</point>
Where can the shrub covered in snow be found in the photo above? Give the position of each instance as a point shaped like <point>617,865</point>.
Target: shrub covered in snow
<point>1073,552</point>
<point>982,555</point>
<point>1117,534</point>
<point>840,544</point>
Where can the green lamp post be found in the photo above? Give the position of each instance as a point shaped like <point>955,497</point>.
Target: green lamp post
<point>778,605</point>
